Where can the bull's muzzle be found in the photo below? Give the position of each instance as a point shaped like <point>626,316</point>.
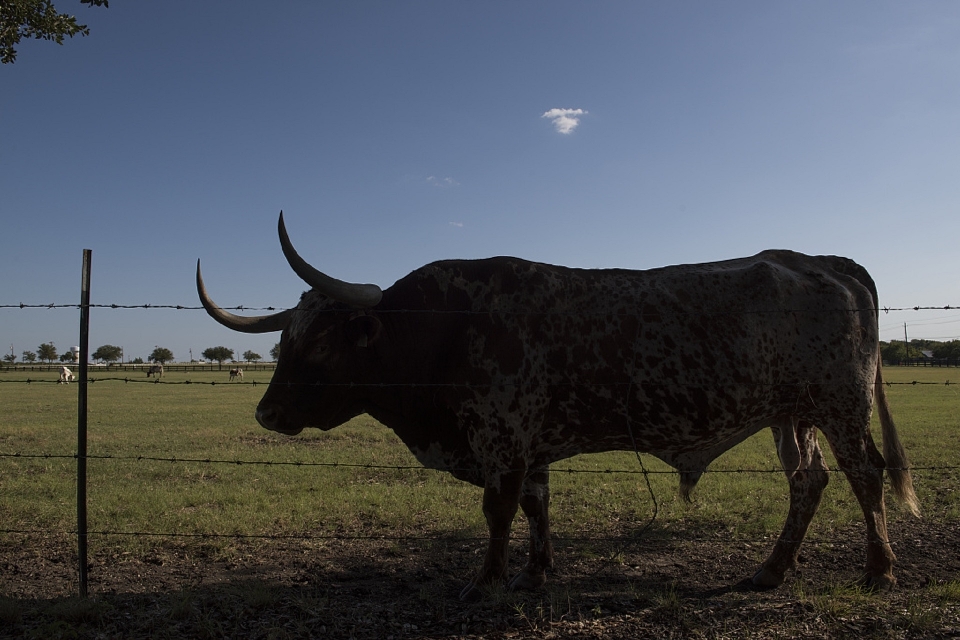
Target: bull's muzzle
<point>271,418</point>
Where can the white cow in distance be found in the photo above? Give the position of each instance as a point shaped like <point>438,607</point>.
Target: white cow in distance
<point>65,375</point>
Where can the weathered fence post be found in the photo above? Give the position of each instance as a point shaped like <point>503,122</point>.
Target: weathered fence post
<point>82,422</point>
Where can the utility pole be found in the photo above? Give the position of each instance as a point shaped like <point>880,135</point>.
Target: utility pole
<point>906,343</point>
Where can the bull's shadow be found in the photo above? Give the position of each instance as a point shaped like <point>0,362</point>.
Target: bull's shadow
<point>671,580</point>
<point>350,588</point>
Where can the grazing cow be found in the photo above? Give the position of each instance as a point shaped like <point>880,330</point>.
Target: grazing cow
<point>65,375</point>
<point>493,369</point>
<point>156,371</point>
<point>236,373</point>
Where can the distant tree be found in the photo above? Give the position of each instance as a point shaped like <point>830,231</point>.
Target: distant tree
<point>36,19</point>
<point>29,356</point>
<point>10,358</point>
<point>66,357</point>
<point>161,355</point>
<point>275,352</point>
<point>251,356</point>
<point>893,352</point>
<point>108,353</point>
<point>218,353</point>
<point>137,361</point>
<point>920,344</point>
<point>47,352</point>
<point>947,350</point>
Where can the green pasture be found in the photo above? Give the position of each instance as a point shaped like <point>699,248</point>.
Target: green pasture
<point>132,421</point>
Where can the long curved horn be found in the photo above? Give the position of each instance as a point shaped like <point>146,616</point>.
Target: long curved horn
<point>245,324</point>
<point>355,295</point>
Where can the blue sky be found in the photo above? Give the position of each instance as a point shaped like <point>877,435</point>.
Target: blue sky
<point>396,133</point>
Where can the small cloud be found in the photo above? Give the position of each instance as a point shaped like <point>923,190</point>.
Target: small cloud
<point>442,182</point>
<point>459,225</point>
<point>565,120</point>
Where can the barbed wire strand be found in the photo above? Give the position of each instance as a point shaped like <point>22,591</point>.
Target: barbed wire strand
<point>402,467</point>
<point>182,307</point>
<point>636,537</point>
<point>463,385</point>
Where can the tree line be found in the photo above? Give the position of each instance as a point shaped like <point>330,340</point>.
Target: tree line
<point>46,352</point>
<point>897,351</point>
<point>892,352</point>
<point>109,353</point>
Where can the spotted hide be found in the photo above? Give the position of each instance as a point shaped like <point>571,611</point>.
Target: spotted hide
<point>493,369</point>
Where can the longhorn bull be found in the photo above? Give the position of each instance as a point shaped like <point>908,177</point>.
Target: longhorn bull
<point>493,369</point>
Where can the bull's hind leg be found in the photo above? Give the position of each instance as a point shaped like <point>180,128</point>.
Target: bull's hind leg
<point>806,471</point>
<point>863,465</point>
<point>501,496</point>
<point>535,502</point>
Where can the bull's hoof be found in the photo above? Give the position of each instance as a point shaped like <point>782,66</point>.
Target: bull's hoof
<point>766,579</point>
<point>882,582</point>
<point>527,581</point>
<point>471,592</point>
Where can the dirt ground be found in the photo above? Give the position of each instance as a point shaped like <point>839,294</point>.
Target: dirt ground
<point>679,584</point>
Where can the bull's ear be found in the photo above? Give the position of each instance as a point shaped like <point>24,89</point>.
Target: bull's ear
<point>363,330</point>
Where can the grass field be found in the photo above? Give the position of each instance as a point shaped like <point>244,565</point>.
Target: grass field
<point>679,579</point>
<point>131,421</point>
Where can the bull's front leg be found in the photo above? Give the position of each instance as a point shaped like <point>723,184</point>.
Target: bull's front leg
<point>535,502</point>
<point>501,496</point>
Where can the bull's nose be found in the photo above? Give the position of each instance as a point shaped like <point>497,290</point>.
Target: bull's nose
<point>268,417</point>
<point>272,418</point>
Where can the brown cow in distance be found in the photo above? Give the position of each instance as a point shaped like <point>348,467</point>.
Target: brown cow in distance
<point>493,369</point>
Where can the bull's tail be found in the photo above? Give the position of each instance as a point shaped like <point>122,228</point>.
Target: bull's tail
<point>898,469</point>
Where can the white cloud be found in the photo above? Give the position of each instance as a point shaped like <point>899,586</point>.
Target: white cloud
<point>457,224</point>
<point>442,182</point>
<point>565,120</point>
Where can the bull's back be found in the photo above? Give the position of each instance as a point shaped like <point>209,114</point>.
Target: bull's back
<point>694,352</point>
<point>743,313</point>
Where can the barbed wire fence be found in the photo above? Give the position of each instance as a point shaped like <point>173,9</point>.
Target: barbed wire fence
<point>181,307</point>
<point>85,379</point>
